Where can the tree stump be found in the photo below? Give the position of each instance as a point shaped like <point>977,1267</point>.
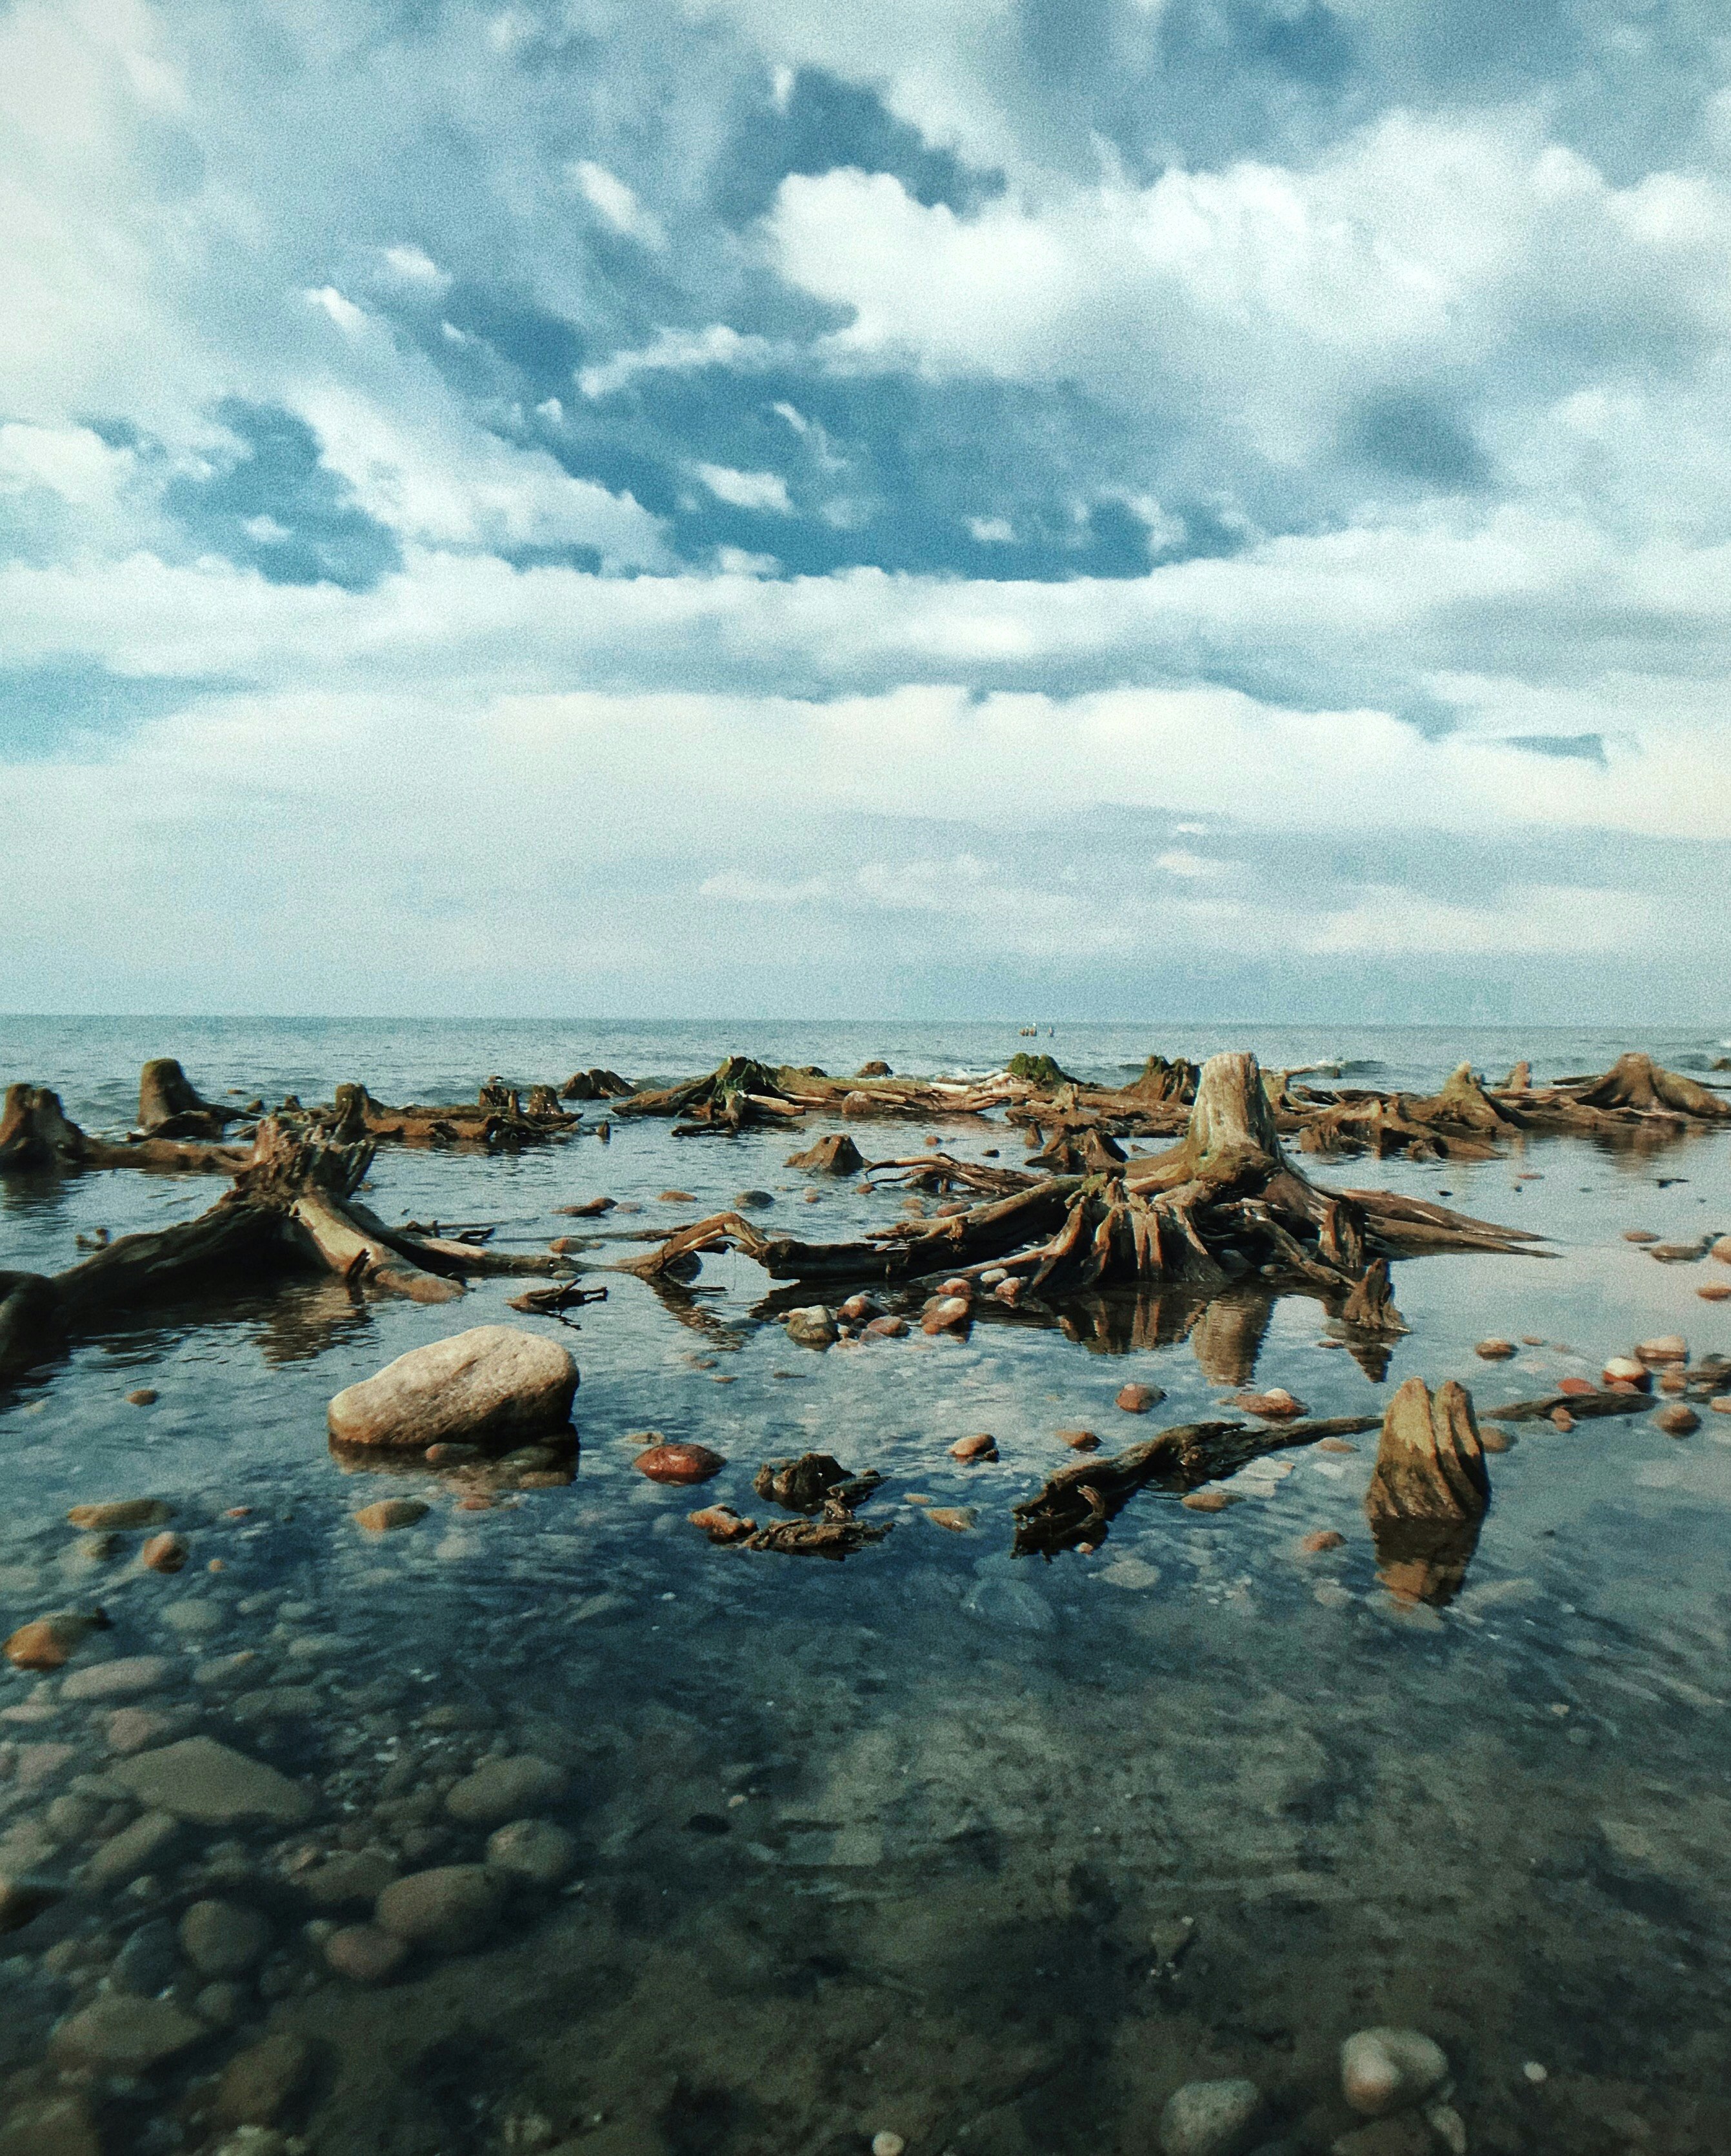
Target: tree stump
<point>169,1106</point>
<point>1429,1492</point>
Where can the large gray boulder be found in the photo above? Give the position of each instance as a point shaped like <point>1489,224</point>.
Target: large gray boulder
<point>497,1383</point>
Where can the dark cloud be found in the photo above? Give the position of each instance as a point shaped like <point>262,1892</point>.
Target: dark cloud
<point>270,505</point>
<point>47,708</point>
<point>1408,435</point>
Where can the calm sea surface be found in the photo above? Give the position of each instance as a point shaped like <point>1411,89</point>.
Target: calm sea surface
<point>989,1854</point>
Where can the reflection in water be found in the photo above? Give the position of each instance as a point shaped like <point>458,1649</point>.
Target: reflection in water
<point>308,1317</point>
<point>1423,1560</point>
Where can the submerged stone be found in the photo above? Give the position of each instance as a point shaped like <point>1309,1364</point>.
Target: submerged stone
<point>497,1382</point>
<point>204,1781</point>
<point>1211,2118</point>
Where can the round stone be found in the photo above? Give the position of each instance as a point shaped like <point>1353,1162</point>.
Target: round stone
<point>1211,2118</point>
<point>450,1908</point>
<point>119,2034</point>
<point>1385,2070</point>
<point>534,1848</point>
<point>501,1790</point>
<point>365,1954</point>
<point>222,1938</point>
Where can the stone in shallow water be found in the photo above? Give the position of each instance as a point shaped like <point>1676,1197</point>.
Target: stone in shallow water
<point>1389,2070</point>
<point>349,1876</point>
<point>51,2126</point>
<point>260,2082</point>
<point>495,1381</point>
<point>1011,1603</point>
<point>123,1512</point>
<point>364,1954</point>
<point>120,2035</point>
<point>201,1780</point>
<point>122,1679</point>
<point>1211,2118</point>
<point>534,1848</point>
<point>222,1938</point>
<point>149,1962</point>
<point>451,1907</point>
<point>504,1790</point>
<point>390,1513</point>
<point>132,1851</point>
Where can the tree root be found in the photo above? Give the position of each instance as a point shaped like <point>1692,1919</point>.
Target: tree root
<point>1076,1507</point>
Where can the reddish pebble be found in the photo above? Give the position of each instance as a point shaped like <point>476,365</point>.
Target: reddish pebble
<point>1495,1351</point>
<point>239,1512</point>
<point>144,1397</point>
<point>887,1328</point>
<point>1494,1440</point>
<point>1714,1294</point>
<point>1639,1236</point>
<point>1207,1500</point>
<point>1673,1381</point>
<point>948,1314</point>
<point>390,1513</point>
<point>1562,1418</point>
<point>957,1287</point>
<point>1079,1440</point>
<point>1010,1290</point>
<point>679,1463</point>
<point>1678,1421</point>
<point>479,1503</point>
<point>163,1553</point>
<point>45,1643</point>
<point>1335,1445</point>
<point>679,1197</point>
<point>1138,1400</point>
<point>560,1243</point>
<point>1275,1404</point>
<point>981,1446</point>
<point>1576,1385</point>
<point>1324,1538</point>
<point>722,1524</point>
<point>1623,1370</point>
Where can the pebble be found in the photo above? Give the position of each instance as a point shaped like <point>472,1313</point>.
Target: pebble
<point>164,1553</point>
<point>501,1790</point>
<point>1079,1440</point>
<point>1495,1351</point>
<point>678,1197</point>
<point>206,1782</point>
<point>1623,1370</point>
<point>679,1463</point>
<point>259,2083</point>
<point>1563,1420</point>
<point>130,1728</point>
<point>1721,1404</point>
<point>813,1327</point>
<point>887,1328</point>
<point>960,1519</point>
<point>1208,1500</point>
<point>1714,1294</point>
<point>948,1314</point>
<point>1323,1538</point>
<point>451,1907</point>
<point>357,1875</point>
<point>146,1396</point>
<point>1388,2070</point>
<point>534,1848</point>
<point>365,1954</point>
<point>1211,2118</point>
<point>1667,1347</point>
<point>222,1938</point>
<point>1275,1404</point>
<point>1335,1445</point>
<point>980,1446</point>
<point>1133,1572</point>
<point>48,1643</point>
<point>121,1513</point>
<point>148,1962</point>
<point>124,1678</point>
<point>1678,1421</point>
<point>1494,1439</point>
<point>1576,1386</point>
<point>40,1763</point>
<point>754,1200</point>
<point>1639,1236</point>
<point>1138,1400</point>
<point>887,2144</point>
<point>49,2126</point>
<point>390,1513</point>
<point>495,1381</point>
<point>120,2035</point>
<point>193,1618</point>
<point>133,1851</point>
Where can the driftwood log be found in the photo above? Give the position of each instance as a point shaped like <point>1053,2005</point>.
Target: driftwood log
<point>1076,1507</point>
<point>1429,1492</point>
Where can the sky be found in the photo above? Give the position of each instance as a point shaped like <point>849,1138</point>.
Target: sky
<point>1116,509</point>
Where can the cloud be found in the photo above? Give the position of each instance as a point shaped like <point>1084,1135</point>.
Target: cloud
<point>949,484</point>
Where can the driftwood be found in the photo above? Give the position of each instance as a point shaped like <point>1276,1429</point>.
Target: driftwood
<point>292,1204</point>
<point>821,1488</point>
<point>36,1134</point>
<point>596,1084</point>
<point>1429,1492</point>
<point>1076,1507</point>
<point>496,1121</point>
<point>1224,1205</point>
<point>169,1106</point>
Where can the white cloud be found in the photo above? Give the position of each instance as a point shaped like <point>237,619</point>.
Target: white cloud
<point>747,489</point>
<point>617,204</point>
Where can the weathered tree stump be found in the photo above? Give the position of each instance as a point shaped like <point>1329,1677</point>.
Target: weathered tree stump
<point>169,1105</point>
<point>1429,1492</point>
<point>835,1155</point>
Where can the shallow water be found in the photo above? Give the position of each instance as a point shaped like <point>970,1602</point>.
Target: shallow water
<point>990,1853</point>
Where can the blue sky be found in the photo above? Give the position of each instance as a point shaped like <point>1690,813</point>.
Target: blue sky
<point>1183,508</point>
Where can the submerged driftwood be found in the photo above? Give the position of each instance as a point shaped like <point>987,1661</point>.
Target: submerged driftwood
<point>1076,1508</point>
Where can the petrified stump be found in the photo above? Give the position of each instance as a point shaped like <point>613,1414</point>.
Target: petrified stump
<point>835,1155</point>
<point>1429,1492</point>
<point>169,1105</point>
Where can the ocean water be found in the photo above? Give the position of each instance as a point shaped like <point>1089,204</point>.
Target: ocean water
<point>987,1853</point>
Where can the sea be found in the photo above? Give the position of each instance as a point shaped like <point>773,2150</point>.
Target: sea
<point>938,1849</point>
